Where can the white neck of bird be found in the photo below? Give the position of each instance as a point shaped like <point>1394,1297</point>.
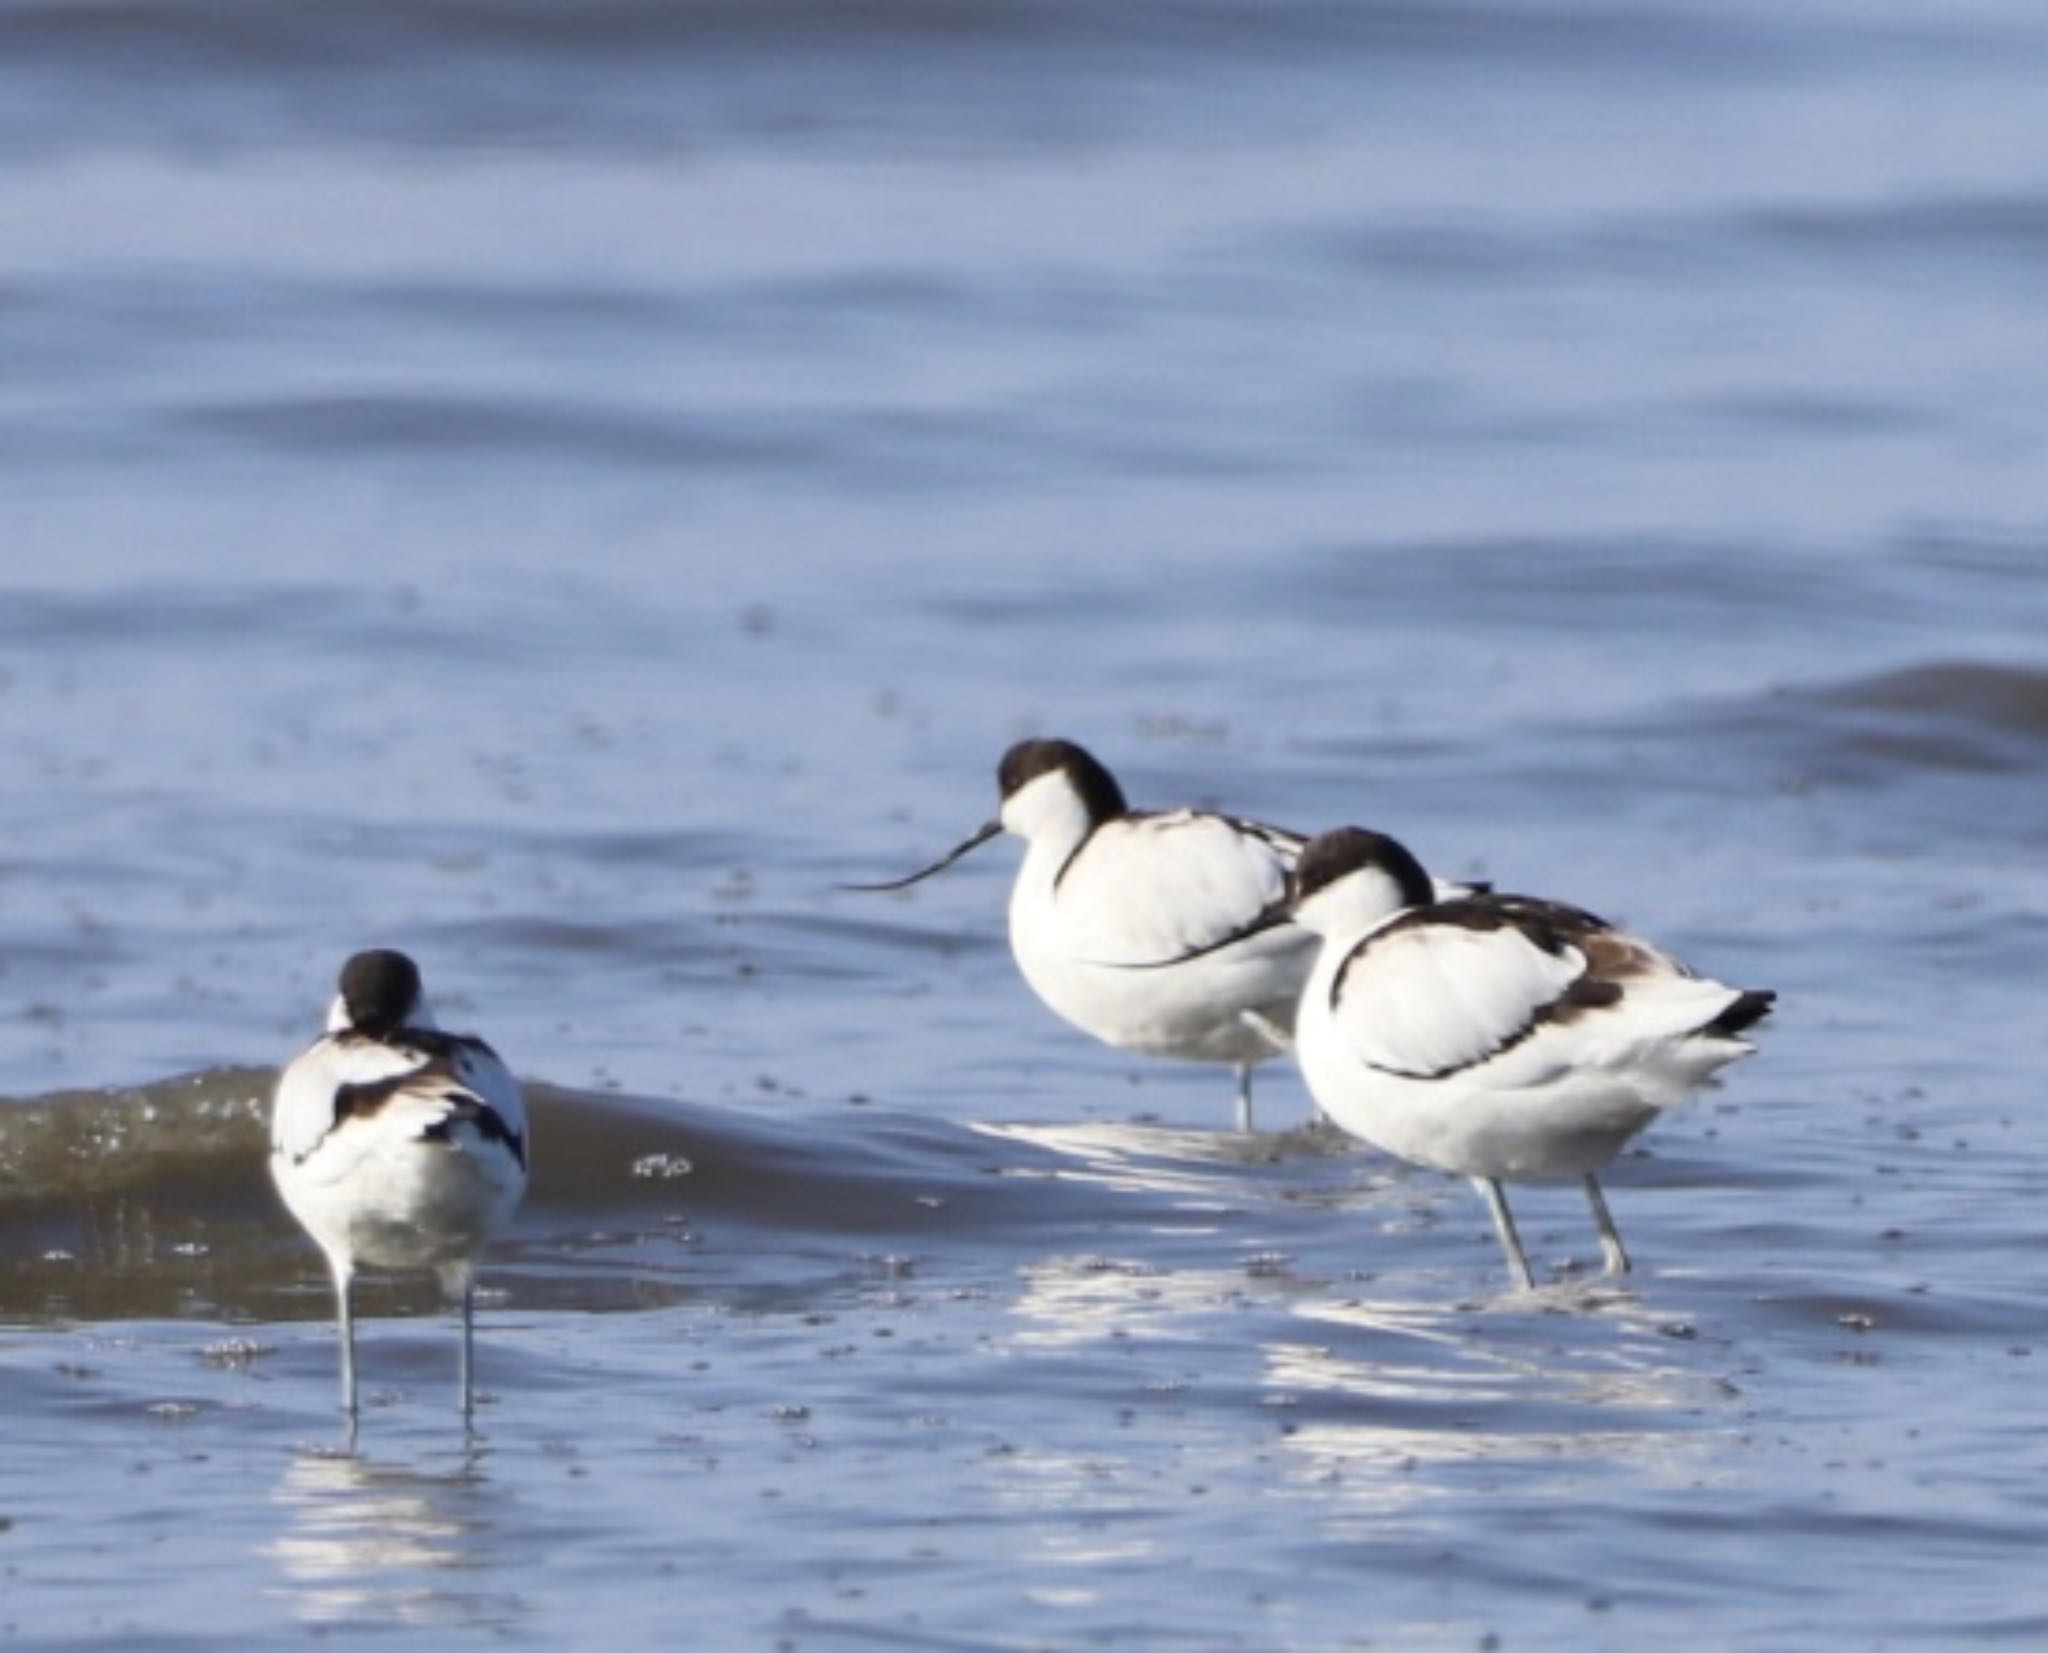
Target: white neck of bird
<point>1355,903</point>
<point>1049,812</point>
<point>337,1015</point>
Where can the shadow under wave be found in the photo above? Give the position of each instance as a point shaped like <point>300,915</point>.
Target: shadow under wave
<point>156,1201</point>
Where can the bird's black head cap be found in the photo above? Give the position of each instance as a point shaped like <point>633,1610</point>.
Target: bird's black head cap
<point>1338,854</point>
<point>1096,786</point>
<point>379,989</point>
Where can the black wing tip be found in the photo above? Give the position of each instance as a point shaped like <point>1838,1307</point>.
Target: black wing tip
<point>482,1118</point>
<point>1751,1006</point>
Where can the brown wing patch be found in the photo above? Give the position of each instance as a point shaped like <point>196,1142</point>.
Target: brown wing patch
<point>442,1073</point>
<point>1616,957</point>
<point>1552,925</point>
<point>1612,961</point>
<point>368,1098</point>
<point>1587,993</point>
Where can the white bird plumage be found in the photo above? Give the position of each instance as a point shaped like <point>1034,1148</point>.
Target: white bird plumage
<point>1102,887</point>
<point>1499,1037</point>
<point>398,1145</point>
<point>1101,884</point>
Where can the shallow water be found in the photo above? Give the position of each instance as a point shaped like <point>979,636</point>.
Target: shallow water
<point>561,495</point>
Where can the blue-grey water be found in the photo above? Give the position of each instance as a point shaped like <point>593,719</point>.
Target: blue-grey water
<point>560,488</point>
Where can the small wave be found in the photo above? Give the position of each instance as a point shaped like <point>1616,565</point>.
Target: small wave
<point>1956,750</point>
<point>157,1199</point>
<point>1958,718</point>
<point>1964,695</point>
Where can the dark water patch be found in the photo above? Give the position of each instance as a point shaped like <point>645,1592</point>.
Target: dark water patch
<point>1645,252</point>
<point>2012,227</point>
<point>965,937</point>
<point>1961,745</point>
<point>1931,1591</point>
<point>1985,697</point>
<point>777,315</point>
<point>588,307</point>
<point>685,851</point>
<point>2016,558</point>
<point>1626,584</point>
<point>1975,930</point>
<point>624,943</point>
<point>258,37</point>
<point>177,614</point>
<point>865,448</point>
<point>1812,415</point>
<point>425,425</point>
<point>1388,752</point>
<point>1514,257</point>
<point>701,866</point>
<point>95,632</point>
<point>113,320</point>
<point>1021,607</point>
<point>1873,1324</point>
<point>1905,749</point>
<point>1934,1534</point>
<point>1947,724</point>
<point>238,32</point>
<point>638,76</point>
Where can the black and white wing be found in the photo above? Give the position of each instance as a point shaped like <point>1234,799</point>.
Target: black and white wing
<point>1152,887</point>
<point>1445,988</point>
<point>349,1091</point>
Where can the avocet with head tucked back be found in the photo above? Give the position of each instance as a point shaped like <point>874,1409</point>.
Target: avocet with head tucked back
<point>1102,883</point>
<point>398,1145</point>
<point>1499,1037</point>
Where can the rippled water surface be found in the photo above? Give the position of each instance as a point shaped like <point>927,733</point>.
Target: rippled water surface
<point>560,489</point>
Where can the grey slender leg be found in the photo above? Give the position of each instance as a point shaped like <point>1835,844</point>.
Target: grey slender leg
<point>1610,1237</point>
<point>1244,1096</point>
<point>345,1316</point>
<point>468,1351</point>
<point>1504,1226</point>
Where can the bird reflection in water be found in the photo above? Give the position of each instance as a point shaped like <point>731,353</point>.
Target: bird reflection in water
<point>1390,1408</point>
<point>373,1544</point>
<point>1384,1404</point>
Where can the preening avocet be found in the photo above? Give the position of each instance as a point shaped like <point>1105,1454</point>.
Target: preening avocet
<point>1499,1037</point>
<point>397,1145</point>
<point>1102,883</point>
